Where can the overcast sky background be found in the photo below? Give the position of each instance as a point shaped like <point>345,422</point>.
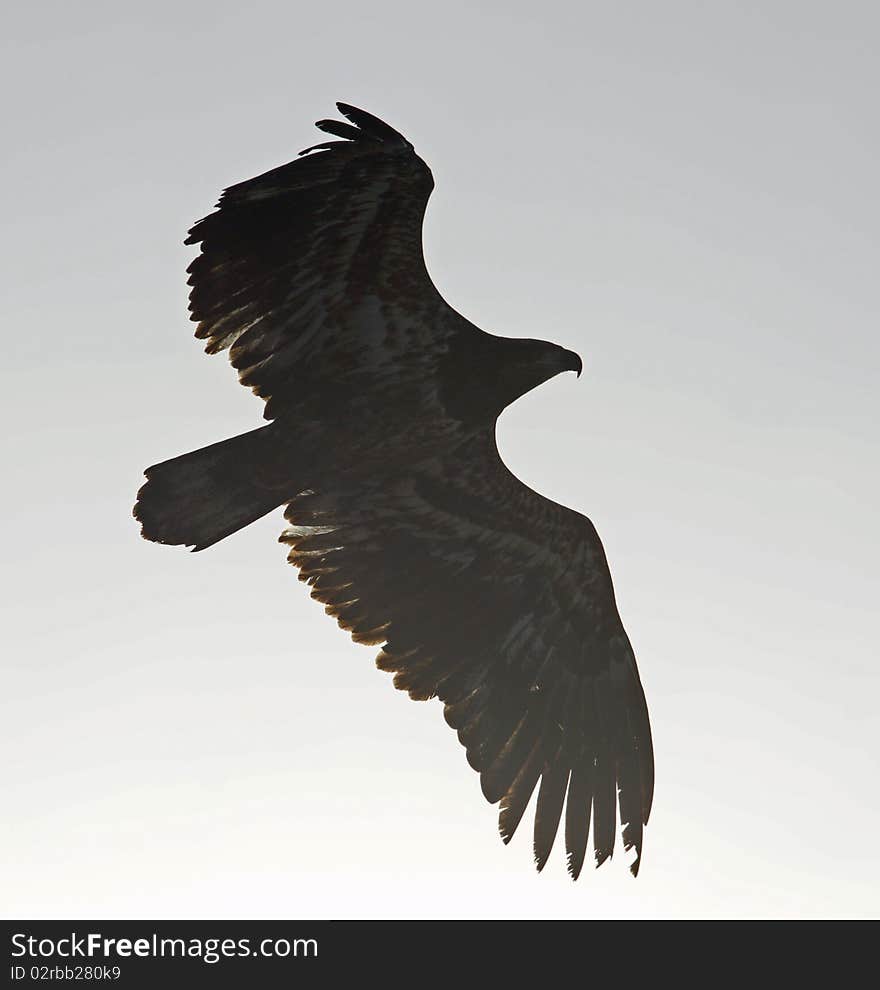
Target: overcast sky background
<point>686,194</point>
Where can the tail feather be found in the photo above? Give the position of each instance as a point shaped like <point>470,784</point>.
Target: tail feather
<point>202,497</point>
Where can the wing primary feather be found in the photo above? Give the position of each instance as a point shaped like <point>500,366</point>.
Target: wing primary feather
<point>604,790</point>
<point>502,719</point>
<point>323,146</point>
<point>516,800</point>
<point>372,125</point>
<point>577,815</point>
<point>500,776</point>
<point>579,802</point>
<point>604,808</point>
<point>640,723</point>
<point>629,797</point>
<point>340,129</point>
<point>551,795</point>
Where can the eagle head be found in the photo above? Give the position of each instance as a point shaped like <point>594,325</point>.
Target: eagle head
<point>524,364</point>
<point>483,374</point>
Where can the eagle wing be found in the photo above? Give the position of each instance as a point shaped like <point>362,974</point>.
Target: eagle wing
<point>499,602</point>
<point>314,272</point>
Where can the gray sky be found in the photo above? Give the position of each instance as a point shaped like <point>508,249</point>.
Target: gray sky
<point>685,193</point>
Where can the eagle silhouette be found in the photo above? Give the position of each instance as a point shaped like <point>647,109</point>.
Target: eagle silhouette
<point>403,519</point>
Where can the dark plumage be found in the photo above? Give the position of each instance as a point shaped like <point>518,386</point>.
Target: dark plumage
<point>403,519</point>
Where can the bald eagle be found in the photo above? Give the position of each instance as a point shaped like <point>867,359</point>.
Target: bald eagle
<point>382,402</point>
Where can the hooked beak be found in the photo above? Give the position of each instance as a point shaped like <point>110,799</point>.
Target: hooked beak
<point>573,362</point>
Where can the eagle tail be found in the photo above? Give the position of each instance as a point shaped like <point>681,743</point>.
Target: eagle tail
<point>202,497</point>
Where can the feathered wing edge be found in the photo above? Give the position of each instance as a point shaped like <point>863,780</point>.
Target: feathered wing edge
<point>579,734</point>
<point>287,255</point>
<point>363,127</point>
<point>586,746</point>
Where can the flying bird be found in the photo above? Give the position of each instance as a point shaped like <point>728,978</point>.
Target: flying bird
<point>382,402</point>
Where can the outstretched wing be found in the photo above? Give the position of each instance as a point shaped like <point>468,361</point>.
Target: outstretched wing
<point>314,272</point>
<point>499,602</point>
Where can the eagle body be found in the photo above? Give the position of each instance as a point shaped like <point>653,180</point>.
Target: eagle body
<point>402,518</point>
